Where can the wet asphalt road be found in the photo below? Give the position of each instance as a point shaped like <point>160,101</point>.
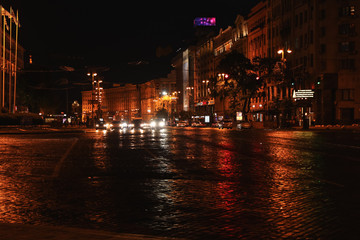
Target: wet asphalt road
<point>186,182</point>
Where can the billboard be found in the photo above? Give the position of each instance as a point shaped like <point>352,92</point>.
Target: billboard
<point>205,21</point>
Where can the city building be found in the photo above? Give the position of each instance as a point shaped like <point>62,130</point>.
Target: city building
<point>129,101</point>
<point>324,59</point>
<point>257,31</point>
<point>158,94</point>
<point>185,68</point>
<point>120,103</point>
<point>11,59</point>
<point>316,47</point>
<point>205,65</point>
<point>336,61</point>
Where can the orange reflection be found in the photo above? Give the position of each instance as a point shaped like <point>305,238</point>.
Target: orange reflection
<point>289,183</point>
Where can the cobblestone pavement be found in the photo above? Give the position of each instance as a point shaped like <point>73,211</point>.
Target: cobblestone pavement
<point>186,182</point>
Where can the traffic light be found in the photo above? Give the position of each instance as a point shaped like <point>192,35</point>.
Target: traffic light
<point>318,82</point>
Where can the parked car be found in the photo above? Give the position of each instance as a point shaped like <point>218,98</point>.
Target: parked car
<point>182,124</point>
<point>198,124</point>
<point>226,123</point>
<point>243,125</point>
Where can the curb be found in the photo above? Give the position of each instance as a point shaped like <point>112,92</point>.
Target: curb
<point>15,231</point>
<point>39,132</point>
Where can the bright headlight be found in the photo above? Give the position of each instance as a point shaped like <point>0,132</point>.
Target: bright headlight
<point>162,124</point>
<point>153,124</point>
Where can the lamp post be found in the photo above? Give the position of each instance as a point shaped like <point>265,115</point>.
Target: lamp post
<point>93,82</point>
<point>282,52</point>
<point>222,77</point>
<point>191,97</point>
<point>283,60</point>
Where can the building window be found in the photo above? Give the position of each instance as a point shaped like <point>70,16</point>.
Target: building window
<point>348,64</point>
<point>347,29</point>
<point>347,94</point>
<point>322,48</point>
<point>322,14</point>
<point>323,65</point>
<point>347,11</point>
<point>322,32</point>
<point>346,46</point>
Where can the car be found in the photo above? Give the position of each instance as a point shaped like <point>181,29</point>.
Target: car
<point>198,124</point>
<point>157,123</point>
<point>136,124</point>
<point>226,123</point>
<point>124,125</point>
<point>115,125</point>
<point>100,125</point>
<point>182,124</point>
<point>243,125</point>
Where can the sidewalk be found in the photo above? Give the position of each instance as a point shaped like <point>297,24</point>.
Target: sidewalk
<point>38,130</point>
<point>10,231</point>
<point>331,127</point>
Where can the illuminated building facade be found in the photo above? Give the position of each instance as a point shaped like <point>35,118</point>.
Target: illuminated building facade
<point>131,101</point>
<point>158,94</point>
<point>322,36</point>
<point>185,68</point>
<point>205,65</point>
<point>121,103</point>
<point>11,59</point>
<point>257,29</point>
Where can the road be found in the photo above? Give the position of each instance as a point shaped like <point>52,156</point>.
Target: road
<point>186,182</point>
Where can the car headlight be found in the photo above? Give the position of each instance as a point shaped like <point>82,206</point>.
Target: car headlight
<point>153,124</point>
<point>162,124</point>
<point>124,125</point>
<point>97,125</point>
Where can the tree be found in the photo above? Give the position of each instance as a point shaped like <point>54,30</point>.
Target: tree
<point>237,81</point>
<point>275,73</point>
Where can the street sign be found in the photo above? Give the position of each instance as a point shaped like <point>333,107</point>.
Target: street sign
<point>303,93</point>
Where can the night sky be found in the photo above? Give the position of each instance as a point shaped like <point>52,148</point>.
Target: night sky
<point>115,33</point>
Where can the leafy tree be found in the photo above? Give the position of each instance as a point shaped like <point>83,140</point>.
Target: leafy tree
<point>237,81</point>
<point>274,72</point>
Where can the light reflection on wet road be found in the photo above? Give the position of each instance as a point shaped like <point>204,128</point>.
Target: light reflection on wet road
<point>191,183</point>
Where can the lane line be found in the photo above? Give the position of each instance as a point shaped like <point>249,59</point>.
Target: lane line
<point>62,160</point>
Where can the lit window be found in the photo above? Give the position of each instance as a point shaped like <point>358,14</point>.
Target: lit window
<point>352,10</point>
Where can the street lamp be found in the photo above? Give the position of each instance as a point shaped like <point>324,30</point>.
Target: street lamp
<point>282,52</point>
<point>93,82</point>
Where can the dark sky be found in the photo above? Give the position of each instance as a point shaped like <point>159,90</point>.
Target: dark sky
<point>113,33</point>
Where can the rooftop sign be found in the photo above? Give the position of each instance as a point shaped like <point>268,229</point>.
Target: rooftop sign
<point>205,21</point>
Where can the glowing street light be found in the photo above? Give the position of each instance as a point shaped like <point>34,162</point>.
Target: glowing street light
<point>282,52</point>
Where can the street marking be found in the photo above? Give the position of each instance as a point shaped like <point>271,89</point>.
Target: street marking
<point>62,160</point>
